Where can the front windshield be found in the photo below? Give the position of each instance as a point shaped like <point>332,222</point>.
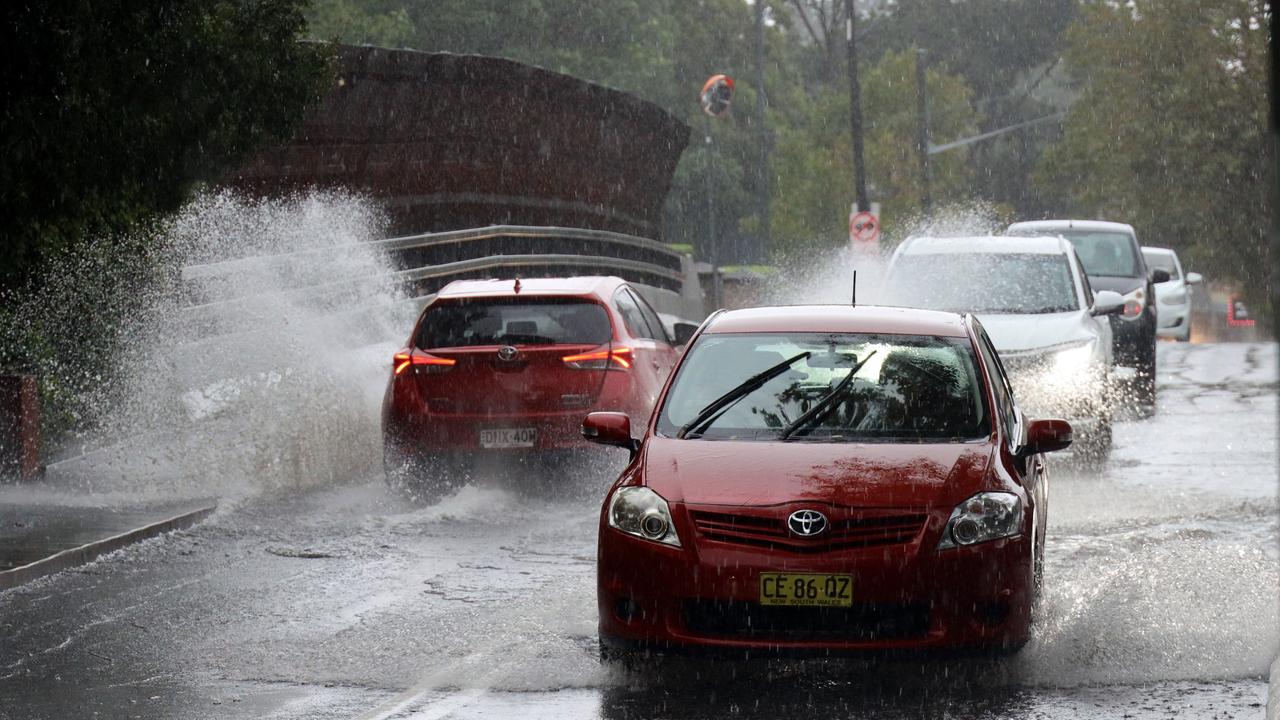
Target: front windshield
<point>983,283</point>
<point>913,388</point>
<point>1104,254</point>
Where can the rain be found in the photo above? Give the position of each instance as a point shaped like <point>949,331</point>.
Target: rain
<point>349,351</point>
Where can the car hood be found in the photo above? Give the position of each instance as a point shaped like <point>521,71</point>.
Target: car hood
<point>1121,285</point>
<point>743,474</point>
<point>1017,333</point>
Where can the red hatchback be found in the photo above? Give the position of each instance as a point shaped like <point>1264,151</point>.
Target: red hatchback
<point>510,367</point>
<point>827,478</point>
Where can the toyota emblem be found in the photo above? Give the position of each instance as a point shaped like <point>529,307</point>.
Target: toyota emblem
<point>507,353</point>
<point>807,523</point>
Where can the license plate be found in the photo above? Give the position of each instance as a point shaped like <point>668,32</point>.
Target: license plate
<point>508,438</point>
<point>806,589</point>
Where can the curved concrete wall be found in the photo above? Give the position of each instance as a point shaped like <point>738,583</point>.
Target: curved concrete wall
<point>461,141</point>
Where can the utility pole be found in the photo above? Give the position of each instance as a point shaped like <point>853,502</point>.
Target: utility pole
<point>764,180</point>
<point>855,112</point>
<point>922,107</point>
<point>711,216</point>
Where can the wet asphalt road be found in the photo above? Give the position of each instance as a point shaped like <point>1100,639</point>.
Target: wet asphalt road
<point>345,602</point>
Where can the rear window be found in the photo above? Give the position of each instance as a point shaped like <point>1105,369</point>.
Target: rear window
<point>1163,261</point>
<point>514,321</point>
<point>1103,254</point>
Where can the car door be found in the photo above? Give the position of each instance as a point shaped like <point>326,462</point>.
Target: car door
<point>1101,323</point>
<point>665,351</point>
<point>1033,468</point>
<point>649,368</point>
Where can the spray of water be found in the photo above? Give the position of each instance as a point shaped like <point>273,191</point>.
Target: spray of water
<point>254,361</point>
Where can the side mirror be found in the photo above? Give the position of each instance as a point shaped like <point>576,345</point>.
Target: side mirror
<point>1107,302</point>
<point>610,428</point>
<point>683,332</point>
<point>1160,275</point>
<point>1194,278</point>
<point>1047,436</point>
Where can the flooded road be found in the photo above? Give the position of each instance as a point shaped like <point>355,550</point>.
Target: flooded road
<point>346,602</point>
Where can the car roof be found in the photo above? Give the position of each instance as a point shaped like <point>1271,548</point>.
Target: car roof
<point>839,318</point>
<point>1050,225</point>
<point>990,244</point>
<point>1159,250</point>
<point>602,286</point>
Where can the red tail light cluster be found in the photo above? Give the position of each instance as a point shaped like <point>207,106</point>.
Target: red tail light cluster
<point>416,358</point>
<point>615,358</point>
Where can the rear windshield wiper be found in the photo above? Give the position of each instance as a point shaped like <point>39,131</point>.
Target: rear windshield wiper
<point>820,409</point>
<point>716,407</point>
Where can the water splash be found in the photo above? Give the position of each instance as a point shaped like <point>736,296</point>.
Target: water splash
<point>257,361</point>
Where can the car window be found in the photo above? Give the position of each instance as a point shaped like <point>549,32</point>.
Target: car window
<point>650,317</point>
<point>471,322</point>
<point>1083,278</point>
<point>983,283</point>
<point>632,317</point>
<point>1163,261</point>
<point>915,387</point>
<point>1105,254</point>
<point>1005,408</point>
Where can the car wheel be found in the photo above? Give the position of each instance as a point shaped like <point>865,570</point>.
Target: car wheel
<point>1144,386</point>
<point>420,479</point>
<point>1094,448</point>
<point>625,658</point>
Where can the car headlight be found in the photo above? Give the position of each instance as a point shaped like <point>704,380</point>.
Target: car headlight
<point>642,512</point>
<point>1134,303</point>
<point>985,516</point>
<point>1073,359</point>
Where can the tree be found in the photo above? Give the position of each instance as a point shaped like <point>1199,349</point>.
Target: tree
<point>1169,130</point>
<point>114,111</point>
<point>814,162</point>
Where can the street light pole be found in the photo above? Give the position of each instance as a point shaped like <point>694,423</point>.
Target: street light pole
<point>855,112</point>
<point>763,179</point>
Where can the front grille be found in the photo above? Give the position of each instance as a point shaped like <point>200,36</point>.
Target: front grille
<point>766,622</point>
<point>849,528</point>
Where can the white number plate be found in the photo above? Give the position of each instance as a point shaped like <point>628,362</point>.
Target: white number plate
<point>508,438</point>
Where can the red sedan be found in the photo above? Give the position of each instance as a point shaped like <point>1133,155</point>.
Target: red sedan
<point>509,368</point>
<point>827,478</point>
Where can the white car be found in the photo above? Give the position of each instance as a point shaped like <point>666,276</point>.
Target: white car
<point>1173,297</point>
<point>1033,298</point>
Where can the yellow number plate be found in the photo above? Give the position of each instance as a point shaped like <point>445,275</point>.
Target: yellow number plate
<point>807,589</point>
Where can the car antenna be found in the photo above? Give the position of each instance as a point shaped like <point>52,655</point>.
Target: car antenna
<point>516,289</point>
<point>854,299</point>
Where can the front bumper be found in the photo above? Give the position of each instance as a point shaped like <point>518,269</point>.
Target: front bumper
<point>1175,320</point>
<point>905,597</point>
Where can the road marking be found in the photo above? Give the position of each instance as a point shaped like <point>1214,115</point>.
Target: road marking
<point>435,711</point>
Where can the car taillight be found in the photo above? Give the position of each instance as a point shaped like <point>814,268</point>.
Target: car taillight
<point>616,358</point>
<point>431,363</point>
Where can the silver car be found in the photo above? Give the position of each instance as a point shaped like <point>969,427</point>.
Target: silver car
<point>1173,297</point>
<point>1034,300</point>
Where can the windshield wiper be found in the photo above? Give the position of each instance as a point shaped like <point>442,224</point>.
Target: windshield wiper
<point>716,407</point>
<point>820,409</point>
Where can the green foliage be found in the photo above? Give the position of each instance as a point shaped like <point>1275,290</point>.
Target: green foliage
<point>1169,131</point>
<point>815,162</point>
<point>114,111</point>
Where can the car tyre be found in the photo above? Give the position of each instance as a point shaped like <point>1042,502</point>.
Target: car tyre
<point>420,479</point>
<point>628,659</point>
<point>1144,386</point>
<point>1094,449</point>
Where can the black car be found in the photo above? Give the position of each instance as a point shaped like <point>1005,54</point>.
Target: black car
<point>1113,260</point>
